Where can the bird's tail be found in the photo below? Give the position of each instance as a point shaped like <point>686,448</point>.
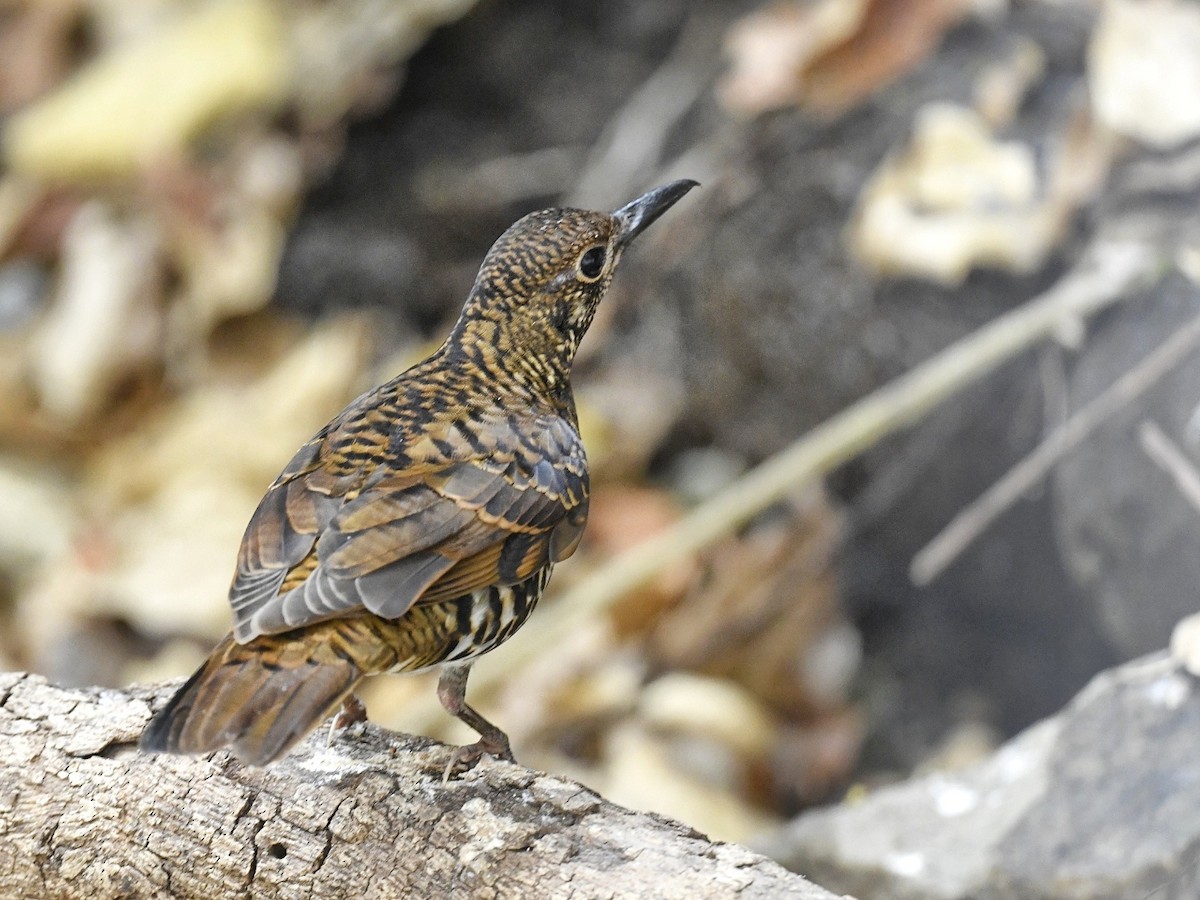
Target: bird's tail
<point>258,698</point>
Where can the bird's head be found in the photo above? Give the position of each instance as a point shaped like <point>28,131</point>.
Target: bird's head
<point>539,285</point>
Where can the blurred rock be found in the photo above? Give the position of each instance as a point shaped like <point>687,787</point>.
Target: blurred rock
<point>698,473</point>
<point>1098,802</point>
<point>95,650</point>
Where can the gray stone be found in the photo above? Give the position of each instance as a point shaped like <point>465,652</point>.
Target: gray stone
<point>1100,801</point>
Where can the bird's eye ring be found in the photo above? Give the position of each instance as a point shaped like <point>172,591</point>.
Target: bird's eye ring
<point>591,264</point>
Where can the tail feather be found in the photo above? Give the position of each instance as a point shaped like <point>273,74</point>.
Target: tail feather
<point>259,698</point>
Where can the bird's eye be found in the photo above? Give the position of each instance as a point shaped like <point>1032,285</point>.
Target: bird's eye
<point>591,264</point>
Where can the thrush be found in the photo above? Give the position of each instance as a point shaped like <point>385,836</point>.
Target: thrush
<point>419,527</point>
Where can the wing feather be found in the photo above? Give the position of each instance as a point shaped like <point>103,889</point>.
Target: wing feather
<point>379,540</point>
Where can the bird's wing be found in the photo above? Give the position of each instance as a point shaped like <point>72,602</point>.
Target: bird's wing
<point>323,544</point>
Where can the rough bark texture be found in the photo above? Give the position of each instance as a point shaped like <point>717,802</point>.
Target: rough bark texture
<point>84,814</point>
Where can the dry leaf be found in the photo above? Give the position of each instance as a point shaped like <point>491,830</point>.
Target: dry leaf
<point>105,321</point>
<point>829,55</point>
<point>37,516</point>
<point>174,557</point>
<point>646,770</point>
<point>246,431</point>
<point>958,198</point>
<point>764,613</point>
<point>716,708</point>
<point>620,517</point>
<point>1002,86</point>
<point>148,98</point>
<point>35,48</point>
<point>771,51</point>
<point>168,503</point>
<point>896,36</point>
<point>1144,70</point>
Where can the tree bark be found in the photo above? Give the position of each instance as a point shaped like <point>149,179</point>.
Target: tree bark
<point>83,813</point>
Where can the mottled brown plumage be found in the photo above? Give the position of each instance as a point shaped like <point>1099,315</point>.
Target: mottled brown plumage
<point>420,526</point>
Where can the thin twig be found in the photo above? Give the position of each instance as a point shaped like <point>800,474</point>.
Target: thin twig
<point>1172,460</point>
<point>1109,273</point>
<point>974,519</point>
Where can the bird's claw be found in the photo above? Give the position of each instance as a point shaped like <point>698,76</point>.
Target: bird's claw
<point>350,719</point>
<point>468,756</point>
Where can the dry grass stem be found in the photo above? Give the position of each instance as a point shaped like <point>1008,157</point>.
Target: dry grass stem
<point>975,518</point>
<point>1171,459</point>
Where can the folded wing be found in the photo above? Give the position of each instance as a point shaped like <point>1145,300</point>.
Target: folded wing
<point>327,541</point>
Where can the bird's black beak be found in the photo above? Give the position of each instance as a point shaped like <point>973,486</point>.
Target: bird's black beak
<point>636,217</point>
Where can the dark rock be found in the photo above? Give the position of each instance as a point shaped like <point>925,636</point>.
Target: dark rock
<point>1101,801</point>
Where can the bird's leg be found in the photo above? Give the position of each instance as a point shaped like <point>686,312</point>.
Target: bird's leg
<point>351,717</point>
<point>452,692</point>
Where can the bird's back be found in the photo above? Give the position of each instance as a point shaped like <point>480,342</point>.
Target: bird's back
<point>431,486</point>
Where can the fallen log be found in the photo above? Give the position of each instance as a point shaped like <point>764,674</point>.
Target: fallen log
<point>84,813</point>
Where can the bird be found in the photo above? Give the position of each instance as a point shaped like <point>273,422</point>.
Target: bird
<point>420,526</point>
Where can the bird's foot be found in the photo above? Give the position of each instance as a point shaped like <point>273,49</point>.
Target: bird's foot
<point>451,691</point>
<point>351,719</point>
<point>463,759</point>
